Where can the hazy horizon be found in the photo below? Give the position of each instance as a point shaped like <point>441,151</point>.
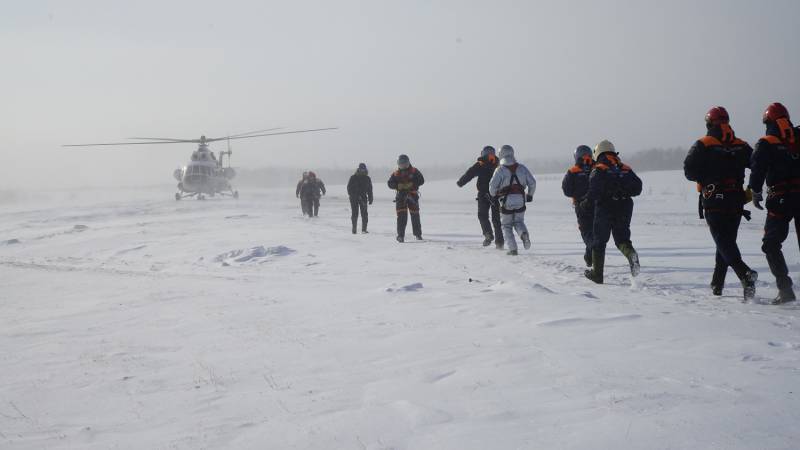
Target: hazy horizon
<point>436,80</point>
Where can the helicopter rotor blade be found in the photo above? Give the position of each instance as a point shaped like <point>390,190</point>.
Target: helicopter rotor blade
<point>249,133</point>
<point>123,143</point>
<point>164,139</point>
<point>273,134</point>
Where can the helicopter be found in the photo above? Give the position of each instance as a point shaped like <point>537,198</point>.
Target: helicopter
<point>204,174</point>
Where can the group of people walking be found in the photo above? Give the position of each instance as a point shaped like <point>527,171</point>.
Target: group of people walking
<point>602,188</point>
<point>717,163</point>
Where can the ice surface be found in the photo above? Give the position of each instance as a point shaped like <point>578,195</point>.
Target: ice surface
<point>130,320</point>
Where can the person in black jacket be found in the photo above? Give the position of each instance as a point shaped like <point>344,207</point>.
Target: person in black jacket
<point>406,180</point>
<point>576,185</point>
<point>359,189</point>
<point>611,186</point>
<point>776,160</point>
<point>310,192</point>
<point>303,205</point>
<point>484,169</point>
<point>716,162</point>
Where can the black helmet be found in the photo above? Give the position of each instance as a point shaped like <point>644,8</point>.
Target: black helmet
<point>581,152</point>
<point>362,168</point>
<point>403,161</point>
<point>488,150</point>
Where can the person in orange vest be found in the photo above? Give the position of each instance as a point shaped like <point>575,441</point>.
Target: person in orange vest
<point>576,185</point>
<point>406,180</point>
<point>716,162</point>
<point>776,161</point>
<point>611,186</point>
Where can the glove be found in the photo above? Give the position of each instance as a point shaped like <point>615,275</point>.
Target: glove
<point>758,197</point>
<point>748,195</point>
<point>584,205</point>
<point>529,198</point>
<point>458,183</point>
<point>369,201</point>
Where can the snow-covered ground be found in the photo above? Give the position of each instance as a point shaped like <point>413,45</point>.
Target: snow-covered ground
<point>129,320</point>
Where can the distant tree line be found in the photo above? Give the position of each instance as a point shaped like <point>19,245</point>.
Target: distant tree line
<point>647,160</point>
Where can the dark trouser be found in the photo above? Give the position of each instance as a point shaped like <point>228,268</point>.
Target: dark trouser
<point>484,206</point>
<point>776,230</point>
<point>724,228</point>
<point>586,227</point>
<point>408,203</point>
<point>359,204</point>
<point>612,217</point>
<point>306,205</point>
<point>311,205</point>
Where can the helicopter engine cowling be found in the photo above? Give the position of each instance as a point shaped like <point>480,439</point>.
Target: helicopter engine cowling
<point>229,173</point>
<point>177,174</point>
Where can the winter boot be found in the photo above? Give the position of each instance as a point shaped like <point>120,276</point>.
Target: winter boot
<point>400,238</point>
<point>354,229</point>
<point>526,240</point>
<point>499,245</point>
<point>418,237</point>
<point>487,239</point>
<point>633,257</point>
<point>587,257</point>
<point>785,295</point>
<point>749,285</point>
<point>598,264</point>
<point>512,253</point>
<point>716,290</point>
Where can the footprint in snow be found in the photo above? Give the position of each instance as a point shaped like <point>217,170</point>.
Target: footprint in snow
<point>414,287</point>
<point>572,321</point>
<point>253,254</point>
<point>10,242</point>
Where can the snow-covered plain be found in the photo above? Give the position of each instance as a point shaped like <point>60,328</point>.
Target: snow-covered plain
<point>129,320</point>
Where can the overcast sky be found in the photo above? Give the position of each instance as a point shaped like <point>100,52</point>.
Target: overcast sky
<point>435,79</point>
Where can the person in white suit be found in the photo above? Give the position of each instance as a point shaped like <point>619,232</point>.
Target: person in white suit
<point>508,186</point>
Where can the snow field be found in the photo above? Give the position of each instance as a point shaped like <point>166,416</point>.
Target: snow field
<point>141,322</point>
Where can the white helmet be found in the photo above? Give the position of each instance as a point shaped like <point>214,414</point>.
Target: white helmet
<point>507,155</point>
<point>603,146</point>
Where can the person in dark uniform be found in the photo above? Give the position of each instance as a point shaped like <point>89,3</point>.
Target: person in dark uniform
<point>303,205</point>
<point>310,193</point>
<point>359,189</point>
<point>776,161</point>
<point>406,180</point>
<point>611,186</point>
<point>576,185</point>
<point>716,162</point>
<point>484,169</point>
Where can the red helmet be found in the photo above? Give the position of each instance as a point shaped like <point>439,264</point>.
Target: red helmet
<point>774,112</point>
<point>717,115</point>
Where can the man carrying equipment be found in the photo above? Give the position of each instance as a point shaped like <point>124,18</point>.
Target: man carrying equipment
<point>484,169</point>
<point>776,160</point>
<point>611,186</point>
<point>359,189</point>
<point>576,185</point>
<point>508,184</point>
<point>716,162</point>
<point>406,180</point>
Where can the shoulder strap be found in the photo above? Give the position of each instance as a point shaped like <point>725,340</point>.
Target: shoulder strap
<point>710,141</point>
<point>774,140</point>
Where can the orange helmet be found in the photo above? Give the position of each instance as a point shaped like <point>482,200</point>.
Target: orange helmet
<point>717,115</point>
<point>774,112</point>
